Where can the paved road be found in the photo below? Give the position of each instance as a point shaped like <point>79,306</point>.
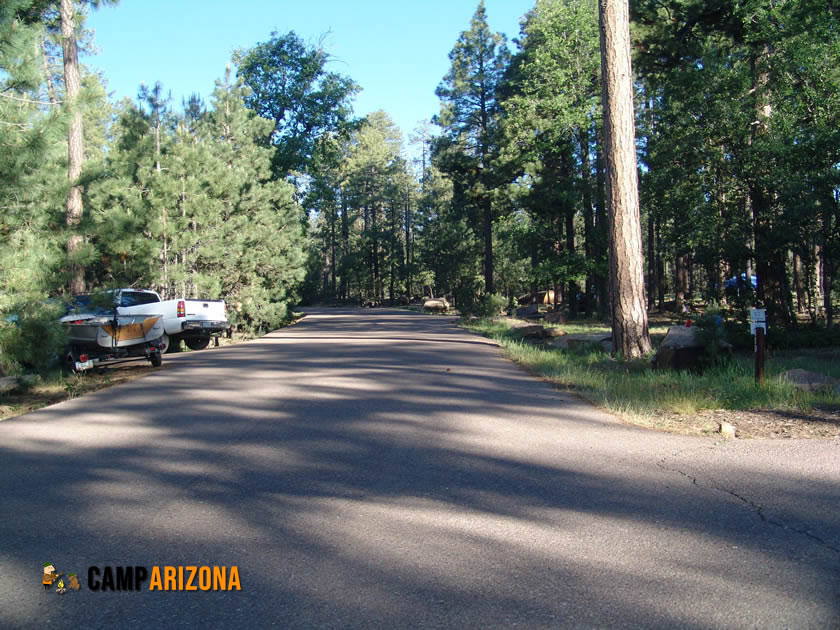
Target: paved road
<point>384,469</point>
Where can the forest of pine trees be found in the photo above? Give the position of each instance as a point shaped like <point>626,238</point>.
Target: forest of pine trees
<point>265,196</point>
<point>738,144</point>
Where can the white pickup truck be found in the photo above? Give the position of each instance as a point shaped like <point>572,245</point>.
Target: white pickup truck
<point>194,321</point>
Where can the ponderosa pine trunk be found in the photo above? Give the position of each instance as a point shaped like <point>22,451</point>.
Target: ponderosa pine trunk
<point>488,244</point>
<point>571,295</point>
<point>345,246</point>
<point>588,219</point>
<point>408,277</point>
<point>651,263</point>
<point>75,143</point>
<point>681,283</point>
<point>602,279</point>
<point>629,316</point>
<point>827,266</point>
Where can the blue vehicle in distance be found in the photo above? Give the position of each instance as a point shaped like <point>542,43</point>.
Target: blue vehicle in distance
<point>736,284</point>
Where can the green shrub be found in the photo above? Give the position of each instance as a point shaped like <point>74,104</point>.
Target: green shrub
<point>738,334</point>
<point>778,338</point>
<point>712,336</point>
<point>490,305</point>
<point>31,337</point>
<point>803,337</point>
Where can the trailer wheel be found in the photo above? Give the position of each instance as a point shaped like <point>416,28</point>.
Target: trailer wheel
<point>197,343</point>
<point>71,355</point>
<point>69,363</point>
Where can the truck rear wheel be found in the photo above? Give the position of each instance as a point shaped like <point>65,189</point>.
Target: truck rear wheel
<point>174,344</point>
<point>197,343</point>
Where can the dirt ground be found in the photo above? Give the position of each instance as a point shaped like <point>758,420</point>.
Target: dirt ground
<point>44,395</point>
<point>757,423</point>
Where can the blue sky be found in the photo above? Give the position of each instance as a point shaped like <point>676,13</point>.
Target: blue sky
<point>396,50</point>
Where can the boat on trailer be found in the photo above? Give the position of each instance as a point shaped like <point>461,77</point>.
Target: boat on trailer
<point>113,332</point>
<point>97,338</point>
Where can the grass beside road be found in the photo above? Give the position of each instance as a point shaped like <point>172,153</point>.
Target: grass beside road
<point>641,395</point>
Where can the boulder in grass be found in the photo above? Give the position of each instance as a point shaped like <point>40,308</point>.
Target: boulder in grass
<point>532,310</point>
<point>8,384</point>
<point>438,305</point>
<point>681,350</point>
<point>534,331</point>
<point>553,332</point>
<point>811,381</point>
<point>567,342</point>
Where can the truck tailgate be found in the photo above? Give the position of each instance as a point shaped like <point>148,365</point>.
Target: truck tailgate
<point>205,310</point>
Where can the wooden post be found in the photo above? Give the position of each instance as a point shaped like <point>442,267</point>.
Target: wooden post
<point>759,355</point>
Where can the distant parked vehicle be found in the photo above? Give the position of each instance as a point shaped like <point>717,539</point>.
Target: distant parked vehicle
<point>737,284</point>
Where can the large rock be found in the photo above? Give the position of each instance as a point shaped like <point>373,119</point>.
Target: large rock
<point>582,339</point>
<point>681,350</point>
<point>553,332</point>
<point>811,381</point>
<point>439,305</point>
<point>534,331</point>
<point>727,430</point>
<point>8,384</point>
<point>532,310</point>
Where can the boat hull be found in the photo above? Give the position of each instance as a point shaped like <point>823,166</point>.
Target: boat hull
<point>120,332</point>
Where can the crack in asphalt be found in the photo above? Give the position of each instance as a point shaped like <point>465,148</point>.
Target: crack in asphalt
<point>755,507</point>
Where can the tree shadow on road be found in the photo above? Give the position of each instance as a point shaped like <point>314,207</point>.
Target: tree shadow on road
<point>395,483</point>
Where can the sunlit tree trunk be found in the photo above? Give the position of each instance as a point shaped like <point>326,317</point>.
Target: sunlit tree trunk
<point>345,245</point>
<point>75,144</point>
<point>588,219</point>
<point>629,316</point>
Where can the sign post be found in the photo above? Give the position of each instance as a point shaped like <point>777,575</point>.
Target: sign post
<point>758,327</point>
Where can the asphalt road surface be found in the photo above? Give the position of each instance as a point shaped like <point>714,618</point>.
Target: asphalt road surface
<point>382,469</point>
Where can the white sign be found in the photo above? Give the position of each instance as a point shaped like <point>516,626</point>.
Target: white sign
<point>758,319</point>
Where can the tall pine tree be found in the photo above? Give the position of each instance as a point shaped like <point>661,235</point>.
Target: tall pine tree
<point>469,122</point>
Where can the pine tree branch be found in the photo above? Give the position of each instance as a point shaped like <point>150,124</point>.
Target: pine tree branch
<point>27,100</point>
<point>23,126</point>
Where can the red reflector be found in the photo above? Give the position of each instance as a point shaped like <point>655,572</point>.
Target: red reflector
<point>83,357</point>
<point>182,309</point>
